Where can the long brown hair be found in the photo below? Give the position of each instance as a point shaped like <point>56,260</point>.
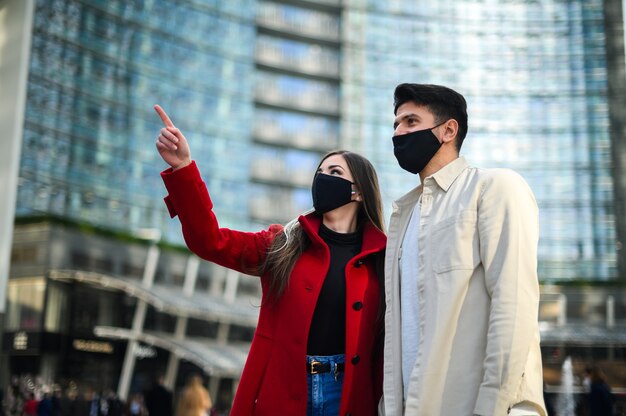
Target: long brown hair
<point>289,244</point>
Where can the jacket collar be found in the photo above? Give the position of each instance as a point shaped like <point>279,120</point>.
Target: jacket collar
<point>444,178</point>
<point>373,239</point>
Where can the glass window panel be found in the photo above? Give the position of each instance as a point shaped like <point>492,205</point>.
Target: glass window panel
<point>25,301</point>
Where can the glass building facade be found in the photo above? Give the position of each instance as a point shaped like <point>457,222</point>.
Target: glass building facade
<point>297,103</point>
<point>97,68</point>
<point>263,88</point>
<point>535,78</point>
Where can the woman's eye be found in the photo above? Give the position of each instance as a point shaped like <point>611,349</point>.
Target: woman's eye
<point>335,172</point>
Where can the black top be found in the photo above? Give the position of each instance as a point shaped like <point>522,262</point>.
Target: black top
<point>159,401</point>
<point>327,335</point>
<point>601,399</point>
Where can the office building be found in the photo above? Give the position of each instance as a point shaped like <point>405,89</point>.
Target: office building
<point>88,162</point>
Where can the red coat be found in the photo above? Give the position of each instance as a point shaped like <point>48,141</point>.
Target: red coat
<point>273,381</point>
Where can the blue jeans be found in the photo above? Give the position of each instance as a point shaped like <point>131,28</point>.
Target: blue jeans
<point>324,388</point>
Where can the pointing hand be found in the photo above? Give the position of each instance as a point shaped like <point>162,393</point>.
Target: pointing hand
<point>171,143</point>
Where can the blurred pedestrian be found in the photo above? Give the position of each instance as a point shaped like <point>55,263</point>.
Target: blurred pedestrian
<point>115,405</point>
<point>600,399</point>
<point>194,399</point>
<point>136,406</point>
<point>45,406</point>
<point>158,398</point>
<point>550,410</point>
<point>30,406</point>
<point>57,409</point>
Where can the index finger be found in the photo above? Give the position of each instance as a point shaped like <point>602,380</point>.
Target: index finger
<point>166,120</point>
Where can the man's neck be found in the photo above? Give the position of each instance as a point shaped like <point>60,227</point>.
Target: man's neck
<point>437,163</point>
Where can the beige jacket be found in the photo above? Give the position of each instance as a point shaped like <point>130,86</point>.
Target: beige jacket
<point>478,296</point>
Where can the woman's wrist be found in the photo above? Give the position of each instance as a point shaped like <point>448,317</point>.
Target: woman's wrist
<point>182,165</point>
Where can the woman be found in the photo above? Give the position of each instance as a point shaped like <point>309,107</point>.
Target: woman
<point>315,349</point>
<point>194,399</point>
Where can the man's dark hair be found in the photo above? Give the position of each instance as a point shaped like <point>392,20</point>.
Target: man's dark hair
<point>443,102</point>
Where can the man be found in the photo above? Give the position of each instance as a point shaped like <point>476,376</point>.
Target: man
<point>461,330</point>
<point>158,398</point>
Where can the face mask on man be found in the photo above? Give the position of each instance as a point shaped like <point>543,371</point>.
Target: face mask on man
<point>414,150</point>
<point>330,192</point>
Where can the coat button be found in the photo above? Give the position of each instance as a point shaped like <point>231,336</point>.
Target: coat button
<point>355,359</point>
<point>358,263</point>
<point>357,305</point>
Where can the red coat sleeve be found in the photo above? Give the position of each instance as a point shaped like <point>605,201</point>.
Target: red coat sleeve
<point>189,199</point>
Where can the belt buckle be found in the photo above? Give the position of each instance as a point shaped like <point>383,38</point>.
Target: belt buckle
<point>313,364</point>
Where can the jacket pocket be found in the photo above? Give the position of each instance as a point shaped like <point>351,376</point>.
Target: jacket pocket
<point>455,243</point>
<point>256,368</point>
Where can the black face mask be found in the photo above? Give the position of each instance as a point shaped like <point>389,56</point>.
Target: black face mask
<point>414,150</point>
<point>330,192</point>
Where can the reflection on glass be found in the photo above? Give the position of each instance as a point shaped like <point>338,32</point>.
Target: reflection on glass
<point>25,298</point>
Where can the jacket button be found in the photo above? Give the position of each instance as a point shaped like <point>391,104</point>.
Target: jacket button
<point>355,359</point>
<point>358,263</point>
<point>357,305</point>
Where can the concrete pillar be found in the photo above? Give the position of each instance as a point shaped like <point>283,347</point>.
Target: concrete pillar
<point>173,361</point>
<point>562,318</point>
<point>191,275</point>
<point>16,22</point>
<point>232,283</point>
<point>152,261</point>
<point>214,385</point>
<point>616,94</point>
<point>610,312</point>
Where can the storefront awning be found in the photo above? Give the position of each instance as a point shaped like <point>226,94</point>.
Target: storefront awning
<point>215,359</point>
<point>583,335</point>
<point>171,299</point>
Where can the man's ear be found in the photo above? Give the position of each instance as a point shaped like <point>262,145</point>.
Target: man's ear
<point>450,130</point>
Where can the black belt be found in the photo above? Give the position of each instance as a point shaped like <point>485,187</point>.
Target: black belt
<point>315,367</point>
